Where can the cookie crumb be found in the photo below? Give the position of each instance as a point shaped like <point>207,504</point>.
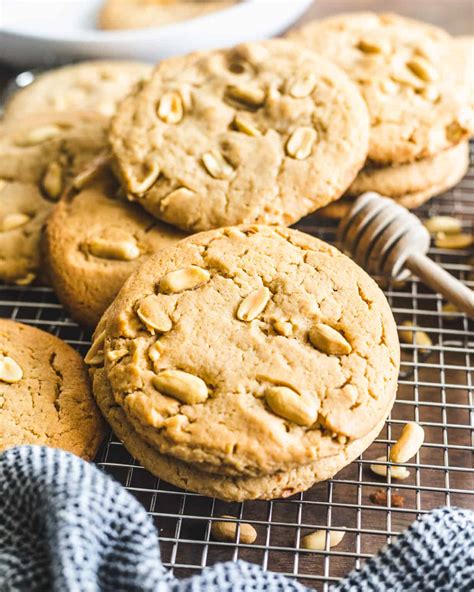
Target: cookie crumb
<point>379,497</point>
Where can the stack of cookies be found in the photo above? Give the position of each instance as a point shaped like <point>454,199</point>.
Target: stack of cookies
<point>418,84</point>
<point>247,360</point>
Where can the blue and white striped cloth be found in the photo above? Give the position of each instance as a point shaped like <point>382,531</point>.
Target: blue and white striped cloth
<point>65,526</point>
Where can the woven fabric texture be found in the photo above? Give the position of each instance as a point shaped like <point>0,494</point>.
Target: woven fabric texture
<point>67,526</point>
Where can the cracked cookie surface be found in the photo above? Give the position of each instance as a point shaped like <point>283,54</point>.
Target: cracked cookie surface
<point>249,351</point>
<point>85,278</point>
<point>39,156</point>
<point>137,14</point>
<point>264,132</point>
<point>411,75</point>
<point>89,86</point>
<point>45,395</point>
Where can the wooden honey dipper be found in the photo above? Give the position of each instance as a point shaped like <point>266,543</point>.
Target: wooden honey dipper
<point>384,238</point>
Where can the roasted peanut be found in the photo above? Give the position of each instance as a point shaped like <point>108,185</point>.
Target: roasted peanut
<point>408,444</point>
<point>227,531</point>
<point>292,406</point>
<point>10,371</point>
<point>95,355</point>
<point>301,142</point>
<point>328,340</point>
<point>152,315</point>
<point>253,304</point>
<point>216,165</point>
<point>316,541</point>
<point>184,279</point>
<point>397,472</point>
<point>13,221</point>
<point>185,387</point>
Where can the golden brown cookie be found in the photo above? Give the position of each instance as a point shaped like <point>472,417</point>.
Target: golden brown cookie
<point>23,212</point>
<point>39,156</point>
<point>410,75</point>
<point>280,484</point>
<point>410,185</point>
<point>249,352</point>
<point>93,241</point>
<point>89,86</point>
<point>401,181</point>
<point>139,14</point>
<point>45,394</point>
<point>263,132</point>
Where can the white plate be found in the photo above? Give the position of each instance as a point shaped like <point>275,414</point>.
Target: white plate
<point>44,32</point>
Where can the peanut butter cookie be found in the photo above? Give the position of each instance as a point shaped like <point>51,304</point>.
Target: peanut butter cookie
<point>410,75</point>
<point>411,184</point>
<point>93,241</point>
<point>89,86</point>
<point>263,132</point>
<point>139,14</point>
<point>249,352</point>
<point>39,155</point>
<point>45,395</point>
<point>280,484</point>
<point>442,170</point>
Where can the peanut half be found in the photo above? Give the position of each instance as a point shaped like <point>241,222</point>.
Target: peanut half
<point>303,87</point>
<point>12,221</point>
<point>316,541</point>
<point>250,96</point>
<point>95,355</point>
<point>184,279</point>
<point>153,316</point>
<point>445,224</point>
<point>139,186</point>
<point>28,279</point>
<point>245,126</point>
<point>117,354</point>
<point>451,311</point>
<point>154,351</point>
<point>253,304</point>
<point>453,241</point>
<point>284,328</point>
<point>408,444</point>
<point>10,371</point>
<point>170,108</point>
<point>397,472</point>
<point>216,165</point>
<point>185,387</point>
<point>120,250</point>
<point>52,182</point>
<point>423,69</point>
<point>301,142</point>
<point>328,340</point>
<point>419,338</point>
<point>290,405</point>
<point>368,45</point>
<point>227,531</point>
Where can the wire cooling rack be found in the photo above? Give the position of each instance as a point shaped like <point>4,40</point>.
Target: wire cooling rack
<point>435,389</point>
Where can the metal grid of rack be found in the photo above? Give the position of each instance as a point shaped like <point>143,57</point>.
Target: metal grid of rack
<point>435,389</point>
